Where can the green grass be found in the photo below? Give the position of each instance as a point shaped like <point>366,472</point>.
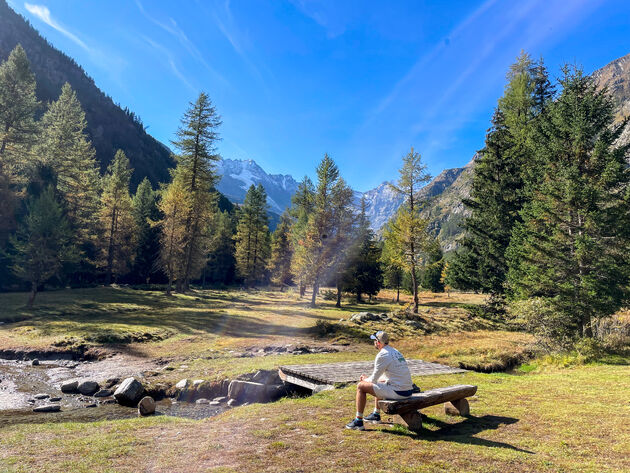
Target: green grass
<point>561,413</point>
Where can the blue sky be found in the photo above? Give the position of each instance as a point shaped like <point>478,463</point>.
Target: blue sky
<point>360,80</point>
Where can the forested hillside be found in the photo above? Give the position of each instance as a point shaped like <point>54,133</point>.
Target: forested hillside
<point>109,127</point>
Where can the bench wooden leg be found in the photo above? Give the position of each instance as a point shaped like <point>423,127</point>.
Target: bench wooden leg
<point>413,420</point>
<point>457,408</point>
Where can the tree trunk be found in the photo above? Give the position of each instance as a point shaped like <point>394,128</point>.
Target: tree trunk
<point>359,298</point>
<point>110,250</point>
<point>168,287</point>
<point>338,304</point>
<point>31,296</point>
<point>314,296</point>
<point>398,293</point>
<point>414,282</point>
<point>302,289</point>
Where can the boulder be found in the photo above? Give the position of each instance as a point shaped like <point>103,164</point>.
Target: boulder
<point>129,392</point>
<point>266,377</point>
<point>220,399</point>
<point>41,396</point>
<point>362,317</point>
<point>69,386</point>
<point>183,384</point>
<point>232,403</point>
<point>146,406</point>
<point>247,391</point>
<point>214,403</point>
<point>87,388</point>
<point>197,382</point>
<point>110,382</point>
<point>35,362</point>
<point>54,399</point>
<point>203,400</point>
<point>47,408</point>
<point>103,393</point>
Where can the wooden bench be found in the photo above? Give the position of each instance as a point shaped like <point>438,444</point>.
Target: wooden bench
<point>408,409</point>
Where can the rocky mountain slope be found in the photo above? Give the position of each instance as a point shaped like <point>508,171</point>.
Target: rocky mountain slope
<point>616,77</point>
<point>109,126</point>
<point>237,175</point>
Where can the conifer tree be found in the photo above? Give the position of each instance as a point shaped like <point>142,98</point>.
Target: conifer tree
<point>196,144</point>
<point>42,243</point>
<point>64,146</point>
<point>498,189</point>
<point>148,245</point>
<point>18,105</point>
<point>252,236</point>
<point>175,206</point>
<point>363,274</point>
<point>302,204</point>
<point>407,231</point>
<point>281,253</point>
<point>221,267</point>
<point>332,200</point>
<point>570,252</point>
<point>118,227</point>
<point>392,268</point>
<point>432,274</point>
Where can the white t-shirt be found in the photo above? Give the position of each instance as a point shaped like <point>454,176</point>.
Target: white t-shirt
<point>392,365</point>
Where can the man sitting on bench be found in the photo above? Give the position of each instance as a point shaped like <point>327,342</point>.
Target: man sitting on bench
<point>391,364</point>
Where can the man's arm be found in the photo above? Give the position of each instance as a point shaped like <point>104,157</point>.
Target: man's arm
<point>380,365</point>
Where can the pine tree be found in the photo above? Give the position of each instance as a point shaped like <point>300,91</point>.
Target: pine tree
<point>65,147</point>
<point>570,252</point>
<point>407,231</point>
<point>331,202</point>
<point>221,267</point>
<point>118,227</point>
<point>252,236</point>
<point>302,205</point>
<point>362,272</point>
<point>499,188</point>
<point>461,271</point>
<point>175,206</point>
<point>432,274</point>
<point>42,243</point>
<point>196,143</point>
<point>18,106</point>
<point>281,253</point>
<point>148,244</point>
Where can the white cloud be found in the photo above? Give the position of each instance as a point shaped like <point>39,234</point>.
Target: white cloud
<point>170,60</point>
<point>43,13</point>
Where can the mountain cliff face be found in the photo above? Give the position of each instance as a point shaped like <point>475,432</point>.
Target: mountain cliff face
<point>237,175</point>
<point>109,127</point>
<point>616,77</point>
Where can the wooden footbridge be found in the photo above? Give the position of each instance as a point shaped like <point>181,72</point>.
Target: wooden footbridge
<point>329,375</point>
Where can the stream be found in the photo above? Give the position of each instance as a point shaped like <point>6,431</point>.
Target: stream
<point>20,382</point>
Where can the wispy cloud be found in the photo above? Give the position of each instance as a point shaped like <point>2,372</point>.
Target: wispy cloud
<point>43,13</point>
<point>173,29</point>
<point>332,24</point>
<point>170,60</point>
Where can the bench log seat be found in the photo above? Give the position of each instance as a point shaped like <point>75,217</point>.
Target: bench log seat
<point>408,409</point>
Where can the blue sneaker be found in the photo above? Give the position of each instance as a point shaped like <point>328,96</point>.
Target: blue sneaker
<point>356,424</point>
<point>373,417</point>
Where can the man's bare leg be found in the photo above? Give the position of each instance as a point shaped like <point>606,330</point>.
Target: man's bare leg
<point>363,389</point>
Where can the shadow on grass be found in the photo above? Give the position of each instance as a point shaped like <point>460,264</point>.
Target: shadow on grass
<point>462,432</point>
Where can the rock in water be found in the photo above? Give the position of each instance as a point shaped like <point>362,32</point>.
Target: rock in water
<point>41,396</point>
<point>129,392</point>
<point>104,393</point>
<point>87,388</point>
<point>203,400</point>
<point>146,406</point>
<point>69,387</point>
<point>35,362</point>
<point>247,391</point>
<point>47,408</point>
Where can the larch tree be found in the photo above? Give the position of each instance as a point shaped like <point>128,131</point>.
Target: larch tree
<point>42,243</point>
<point>65,147</point>
<point>175,206</point>
<point>393,271</point>
<point>252,236</point>
<point>281,253</point>
<point>569,256</point>
<point>18,106</point>
<point>197,154</point>
<point>302,204</point>
<point>331,200</point>
<point>407,230</point>
<point>116,217</point>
